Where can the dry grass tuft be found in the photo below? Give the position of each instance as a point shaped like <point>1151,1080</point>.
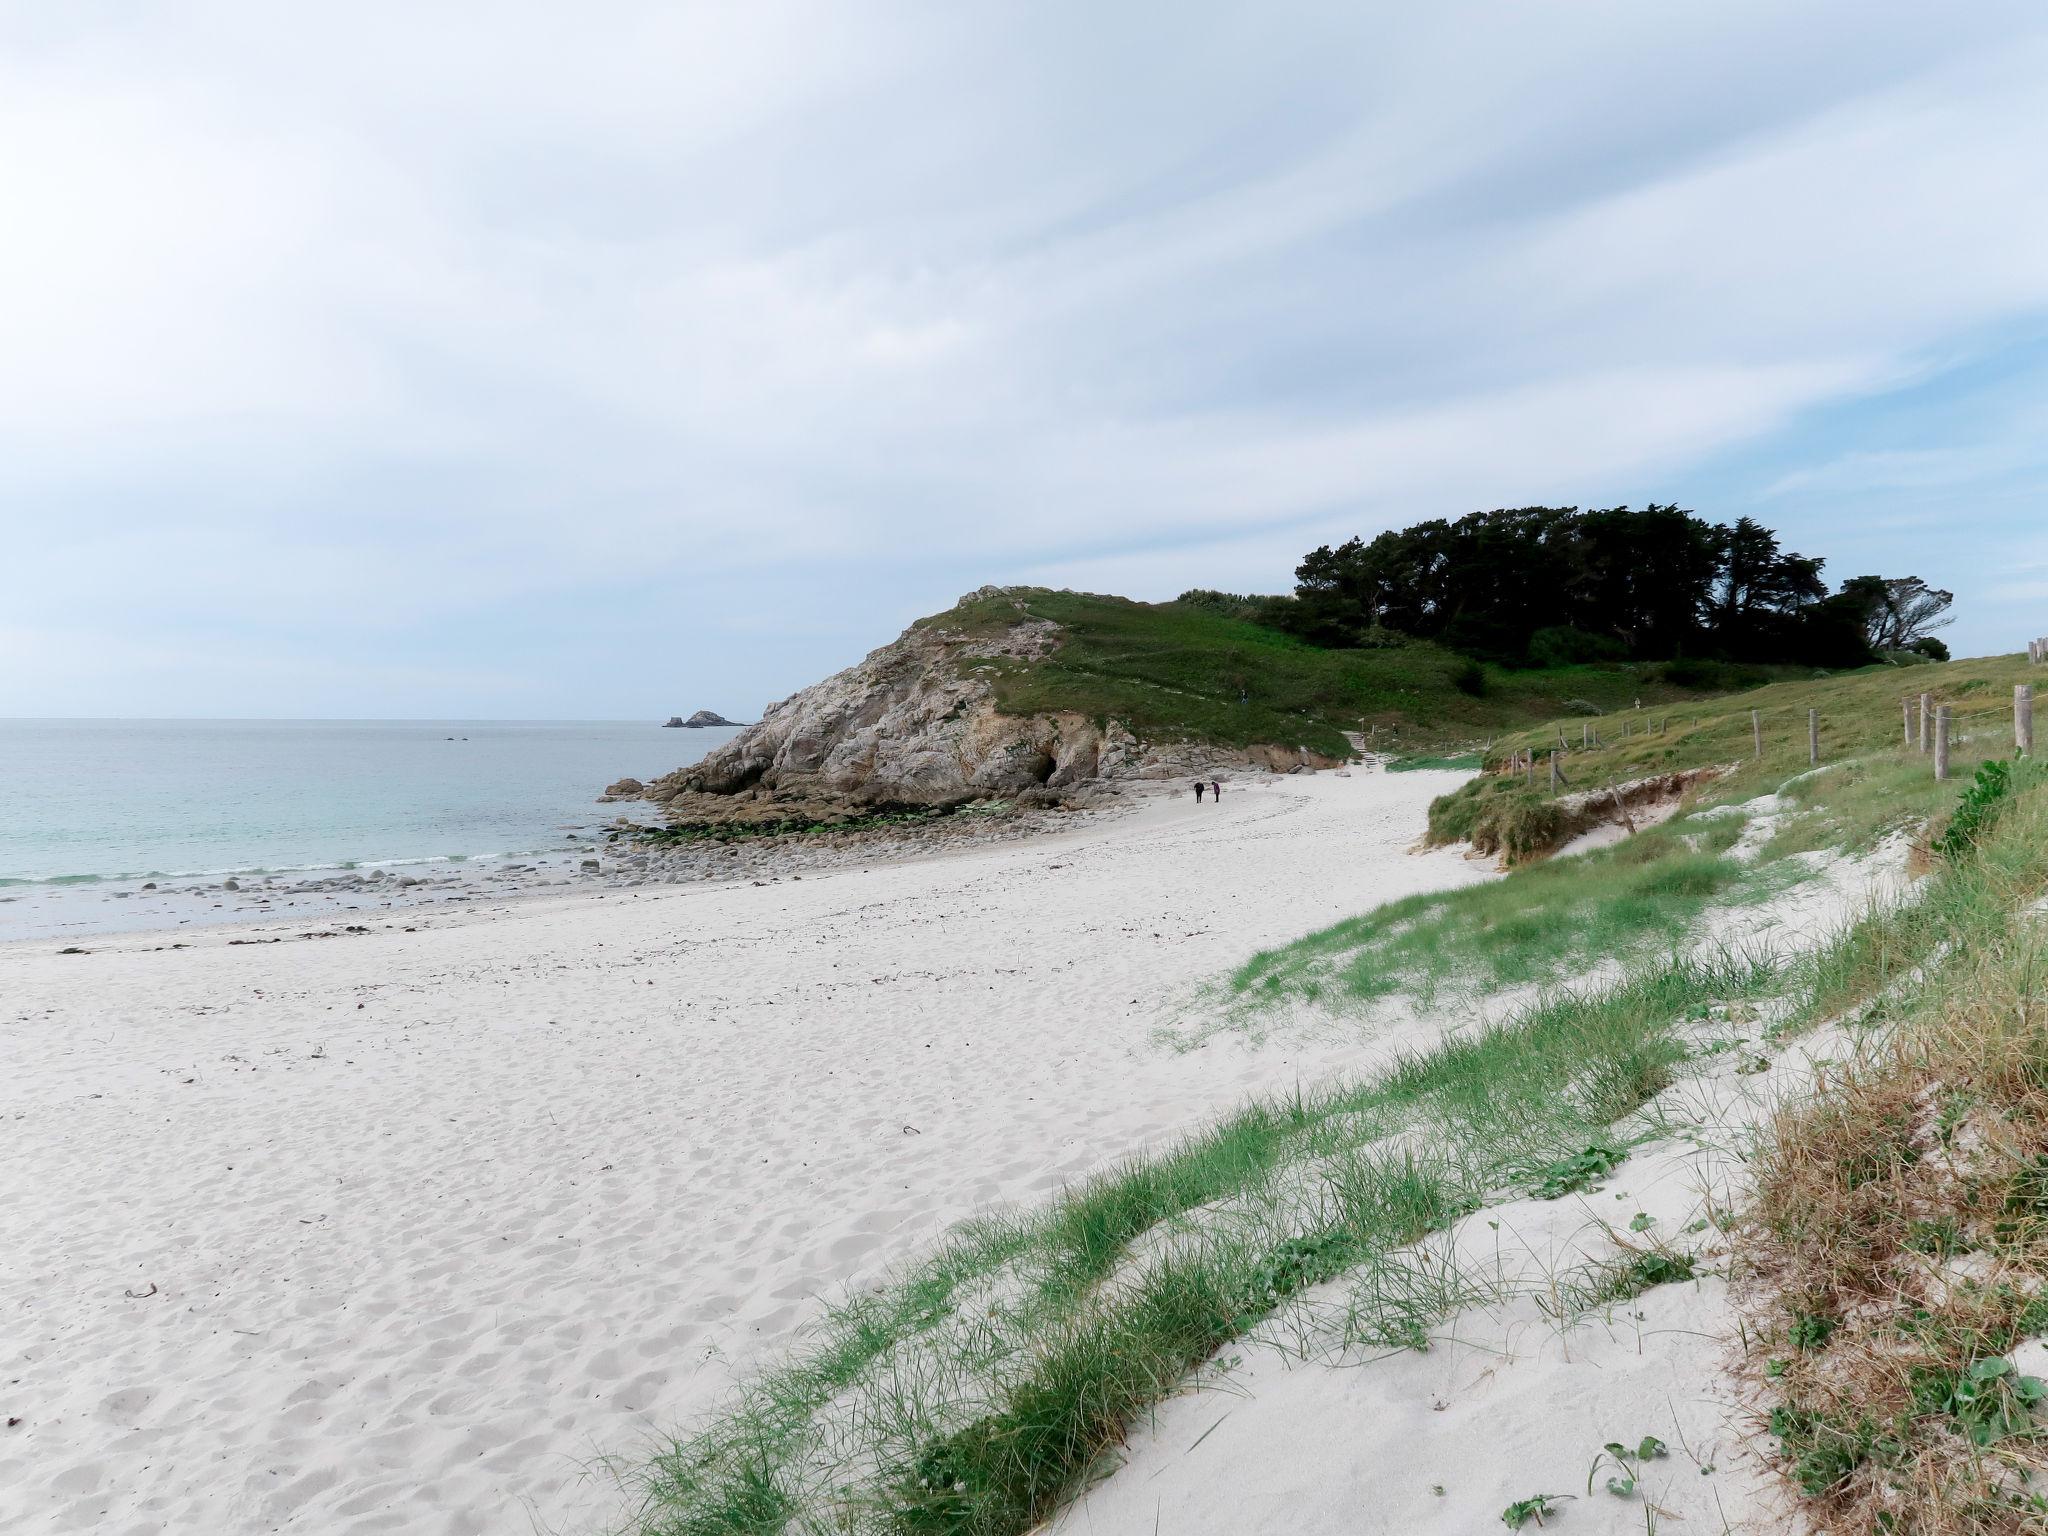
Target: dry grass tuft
<point>1899,1244</point>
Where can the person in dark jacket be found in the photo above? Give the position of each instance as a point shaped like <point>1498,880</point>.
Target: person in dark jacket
<point>1199,787</point>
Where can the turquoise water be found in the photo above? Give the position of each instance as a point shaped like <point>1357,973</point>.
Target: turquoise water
<point>94,800</point>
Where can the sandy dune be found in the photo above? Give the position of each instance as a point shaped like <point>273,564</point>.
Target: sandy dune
<point>397,1232</point>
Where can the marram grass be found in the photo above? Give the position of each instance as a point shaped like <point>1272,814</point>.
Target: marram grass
<point>977,1391</point>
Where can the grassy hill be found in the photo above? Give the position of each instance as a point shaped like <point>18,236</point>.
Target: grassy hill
<point>1859,714</point>
<point>1880,780</point>
<point>1178,670</point>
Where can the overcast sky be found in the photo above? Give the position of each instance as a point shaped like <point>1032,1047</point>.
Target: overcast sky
<point>615,360</point>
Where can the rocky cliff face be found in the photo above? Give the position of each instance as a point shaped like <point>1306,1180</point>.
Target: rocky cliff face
<point>915,724</point>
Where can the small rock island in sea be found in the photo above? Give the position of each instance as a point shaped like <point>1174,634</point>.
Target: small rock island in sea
<point>698,721</point>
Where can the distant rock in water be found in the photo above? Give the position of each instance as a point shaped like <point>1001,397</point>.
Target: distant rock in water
<point>702,718</point>
<point>915,724</point>
<point>624,789</point>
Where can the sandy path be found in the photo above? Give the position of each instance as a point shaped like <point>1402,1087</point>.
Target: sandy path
<point>432,1218</point>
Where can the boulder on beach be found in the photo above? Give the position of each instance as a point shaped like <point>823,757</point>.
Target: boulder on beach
<point>622,789</point>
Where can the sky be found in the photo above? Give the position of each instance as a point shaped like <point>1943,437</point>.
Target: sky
<point>527,360</point>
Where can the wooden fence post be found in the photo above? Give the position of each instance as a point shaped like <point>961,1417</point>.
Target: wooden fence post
<point>1906,709</point>
<point>1813,736</point>
<point>1586,734</point>
<point>1941,728</point>
<point>2023,718</point>
<point>1756,729</point>
<point>1926,722</point>
<point>1553,773</point>
<point>1529,766</point>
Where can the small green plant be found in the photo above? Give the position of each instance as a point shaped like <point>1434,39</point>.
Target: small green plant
<point>1630,1277</point>
<point>1297,1264</point>
<point>1627,1463</point>
<point>1955,1109</point>
<point>1989,1399</point>
<point>1535,1507</point>
<point>1810,1331</point>
<point>1938,1236</point>
<point>1822,1452</point>
<point>1980,806</point>
<point>1569,1175</point>
<point>2026,1202</point>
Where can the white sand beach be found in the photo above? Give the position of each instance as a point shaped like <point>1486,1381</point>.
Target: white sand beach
<point>401,1231</point>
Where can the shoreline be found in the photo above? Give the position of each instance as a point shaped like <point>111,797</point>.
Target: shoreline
<point>102,910</point>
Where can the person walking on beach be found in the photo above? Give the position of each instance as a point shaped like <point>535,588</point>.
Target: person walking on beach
<point>1199,787</point>
<point>1216,790</point>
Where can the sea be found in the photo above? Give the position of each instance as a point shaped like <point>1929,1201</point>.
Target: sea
<point>100,802</point>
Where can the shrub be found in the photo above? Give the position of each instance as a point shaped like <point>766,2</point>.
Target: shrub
<point>1980,806</point>
<point>1377,637</point>
<point>1930,647</point>
<point>1470,679</point>
<point>1232,605</point>
<point>1563,646</point>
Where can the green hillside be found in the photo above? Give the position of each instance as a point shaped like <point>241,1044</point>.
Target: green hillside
<point>1180,670</point>
<point>1859,714</point>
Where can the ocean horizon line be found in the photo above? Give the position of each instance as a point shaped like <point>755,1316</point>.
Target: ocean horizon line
<point>329,720</point>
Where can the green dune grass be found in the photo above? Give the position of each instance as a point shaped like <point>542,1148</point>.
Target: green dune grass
<point>977,1389</point>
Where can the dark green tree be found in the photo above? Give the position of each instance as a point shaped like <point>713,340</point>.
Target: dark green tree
<point>1551,585</point>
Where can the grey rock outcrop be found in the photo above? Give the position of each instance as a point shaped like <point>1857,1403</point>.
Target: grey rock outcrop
<point>915,723</point>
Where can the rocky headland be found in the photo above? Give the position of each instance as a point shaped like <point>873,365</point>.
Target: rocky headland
<point>699,721</point>
<point>916,725</point>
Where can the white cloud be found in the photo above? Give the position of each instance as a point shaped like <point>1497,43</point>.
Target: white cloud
<point>314,321</point>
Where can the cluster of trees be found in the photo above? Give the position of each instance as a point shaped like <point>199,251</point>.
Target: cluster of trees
<point>1548,586</point>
